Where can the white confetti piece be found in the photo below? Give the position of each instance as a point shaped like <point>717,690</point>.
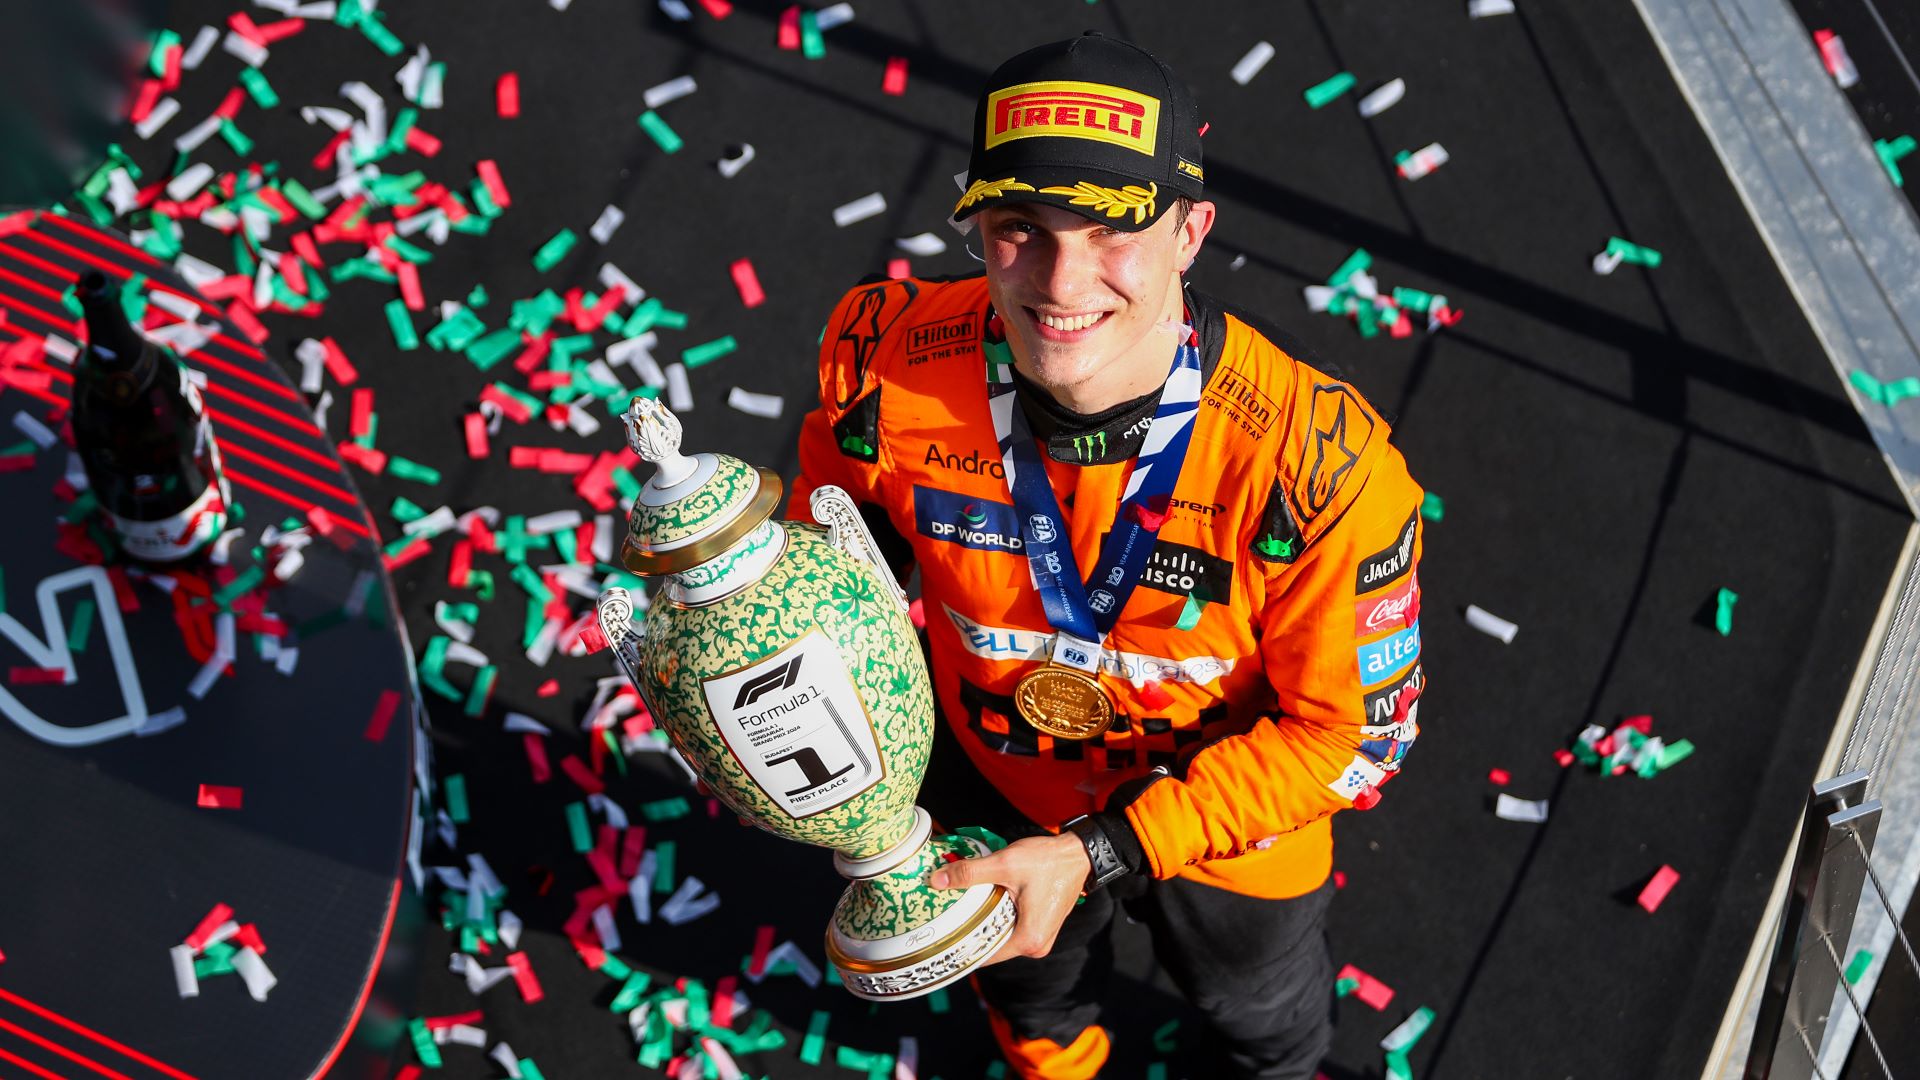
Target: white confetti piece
<point>924,244</point>
<point>1489,623</point>
<point>33,429</point>
<point>679,394</point>
<point>689,902</point>
<point>466,1035</point>
<point>203,42</point>
<point>254,971</point>
<point>1607,262</point>
<point>763,405</point>
<point>1250,64</point>
<point>337,119</point>
<point>193,179</point>
<point>1508,808</point>
<point>1386,97</point>
<point>554,521</point>
<point>163,721</point>
<point>833,15</point>
<point>194,136</point>
<point>859,209</point>
<point>250,53</point>
<point>603,226</point>
<point>1423,161</point>
<point>677,10</point>
<point>604,926</point>
<point>184,980</point>
<point>730,166</point>
<point>163,110</point>
<point>1480,9</point>
<point>671,90</point>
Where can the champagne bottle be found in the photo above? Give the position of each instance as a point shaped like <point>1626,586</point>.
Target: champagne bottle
<point>144,438</point>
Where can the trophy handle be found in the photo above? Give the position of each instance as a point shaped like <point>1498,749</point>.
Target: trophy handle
<point>615,612</point>
<point>834,508</point>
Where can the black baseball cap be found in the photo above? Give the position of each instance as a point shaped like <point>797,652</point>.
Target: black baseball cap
<point>1093,124</point>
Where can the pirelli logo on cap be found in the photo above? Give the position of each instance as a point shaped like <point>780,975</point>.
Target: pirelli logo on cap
<point>1075,110</point>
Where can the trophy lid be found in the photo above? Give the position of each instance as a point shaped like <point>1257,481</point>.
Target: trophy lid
<point>692,508</point>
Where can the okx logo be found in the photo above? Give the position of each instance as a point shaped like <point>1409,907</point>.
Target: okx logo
<point>759,686</point>
<point>981,524</point>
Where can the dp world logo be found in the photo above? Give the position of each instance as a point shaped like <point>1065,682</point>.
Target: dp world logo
<point>973,515</point>
<point>1041,526</point>
<point>759,686</point>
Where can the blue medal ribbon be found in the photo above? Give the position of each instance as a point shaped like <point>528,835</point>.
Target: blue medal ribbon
<point>1084,611</point>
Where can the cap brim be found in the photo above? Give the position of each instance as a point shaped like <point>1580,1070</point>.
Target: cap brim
<point>1122,202</point>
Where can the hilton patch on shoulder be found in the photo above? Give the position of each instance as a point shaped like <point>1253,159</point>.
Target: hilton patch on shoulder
<point>1074,110</point>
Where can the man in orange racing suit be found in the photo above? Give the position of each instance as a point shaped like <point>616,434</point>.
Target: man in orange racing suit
<point>1109,481</point>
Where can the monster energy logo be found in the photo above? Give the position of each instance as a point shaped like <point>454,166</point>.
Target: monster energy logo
<point>1088,447</point>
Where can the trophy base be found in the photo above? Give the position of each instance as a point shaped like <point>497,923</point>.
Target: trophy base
<point>936,939</point>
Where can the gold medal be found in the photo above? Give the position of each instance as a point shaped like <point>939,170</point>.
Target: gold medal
<point>1063,702</point>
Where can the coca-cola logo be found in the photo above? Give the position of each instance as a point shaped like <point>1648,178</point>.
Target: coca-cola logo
<point>1396,609</point>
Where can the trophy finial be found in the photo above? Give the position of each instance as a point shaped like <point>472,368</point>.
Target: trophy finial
<point>653,432</point>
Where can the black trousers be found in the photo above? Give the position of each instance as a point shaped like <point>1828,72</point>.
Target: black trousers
<point>1259,969</point>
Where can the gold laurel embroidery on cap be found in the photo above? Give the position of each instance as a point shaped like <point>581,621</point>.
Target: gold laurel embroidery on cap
<point>1113,202</point>
<point>989,189</point>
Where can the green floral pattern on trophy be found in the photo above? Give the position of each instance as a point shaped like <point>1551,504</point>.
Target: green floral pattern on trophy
<point>717,569</point>
<point>727,489</point>
<point>900,901</point>
<point>812,585</point>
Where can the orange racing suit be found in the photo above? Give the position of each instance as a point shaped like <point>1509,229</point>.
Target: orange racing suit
<point>1270,656</point>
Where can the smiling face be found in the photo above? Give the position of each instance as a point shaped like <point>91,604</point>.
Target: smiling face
<point>1085,304</point>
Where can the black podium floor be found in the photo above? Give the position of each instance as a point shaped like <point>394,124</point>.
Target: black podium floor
<point>1611,451</point>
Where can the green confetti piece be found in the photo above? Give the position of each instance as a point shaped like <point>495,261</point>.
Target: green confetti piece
<point>577,827</point>
<point>1889,394</point>
<point>663,135</point>
<point>1397,1066</point>
<point>455,789</point>
<point>860,1060</point>
<point>397,131</point>
<point>1862,960</point>
<point>937,1001</point>
<point>1163,1037</point>
<point>373,26</point>
<point>1431,507</point>
<point>1345,986</point>
<point>302,199</point>
<point>671,809</point>
<point>1632,254</point>
<point>400,320</point>
<point>482,686</point>
<point>493,348</point>
<point>613,747</point>
<point>996,1070</point>
<point>1891,151</point>
<point>663,854</point>
<point>614,968</point>
<point>530,1071</point>
<point>554,250</point>
<point>1322,94</point>
<point>630,993</point>
<point>235,138</point>
<point>529,580</point>
<point>669,319</point>
<point>412,470</point>
<point>1413,300</point>
<point>82,625</point>
<point>1403,1038</point>
<point>814,1046</point>
<point>227,594</point>
<point>405,510</point>
<point>1190,613</point>
<point>812,46</point>
<point>258,88</point>
<point>164,42</point>
<point>1355,263</point>
<point>423,1045</point>
<point>1157,1070</point>
<point>1675,753</point>
<point>419,256</point>
<point>208,966</point>
<point>708,352</point>
<point>1723,611</point>
<point>478,297</point>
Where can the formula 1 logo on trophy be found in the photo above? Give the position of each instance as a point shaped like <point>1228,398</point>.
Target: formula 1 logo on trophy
<point>779,658</point>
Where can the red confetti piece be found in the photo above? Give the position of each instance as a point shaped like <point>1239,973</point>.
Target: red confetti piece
<point>602,865</point>
<point>789,36</point>
<point>1656,891</point>
<point>425,145</point>
<point>632,846</point>
<point>280,30</point>
<point>1155,696</point>
<point>1563,757</point>
<point>578,772</point>
<point>762,945</point>
<point>207,925</point>
<point>366,457</point>
<point>719,9</point>
<point>536,748</point>
<point>507,95</point>
<point>242,317</point>
<point>409,1072</point>
<point>496,187</point>
<point>1371,990</point>
<point>243,26</point>
<point>1367,798</point>
<point>550,688</point>
<point>899,269</point>
<point>722,1013</point>
<point>338,365</point>
<point>917,614</point>
<point>475,426</point>
<point>524,978</point>
<point>360,418</point>
<point>16,463</point>
<point>219,797</point>
<point>36,676</point>
<point>409,276</point>
<point>895,81</point>
<point>441,1023</point>
<point>509,406</point>
<point>745,280</point>
<point>408,554</point>
<point>1641,724</point>
<point>1339,879</point>
<point>144,101</point>
<point>1499,776</point>
<point>383,711</point>
<point>249,937</point>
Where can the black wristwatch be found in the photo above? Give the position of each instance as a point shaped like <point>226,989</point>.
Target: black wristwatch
<point>1107,864</point>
